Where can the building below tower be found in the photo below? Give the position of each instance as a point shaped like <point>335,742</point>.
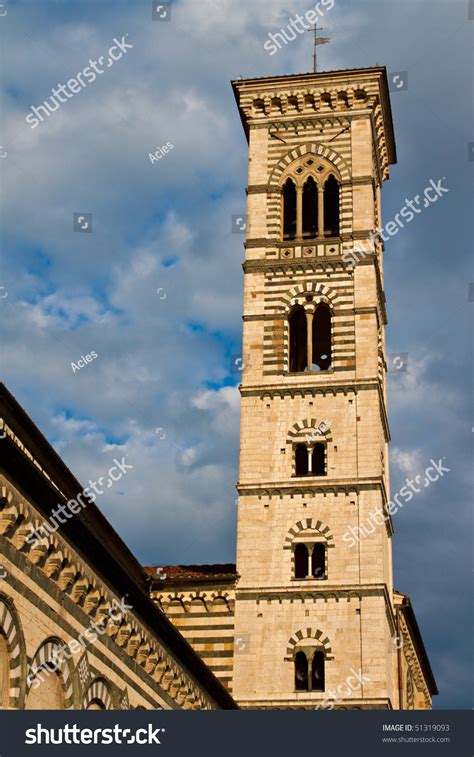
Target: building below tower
<point>200,601</point>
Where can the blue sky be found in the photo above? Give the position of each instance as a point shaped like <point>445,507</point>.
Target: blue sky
<point>156,288</point>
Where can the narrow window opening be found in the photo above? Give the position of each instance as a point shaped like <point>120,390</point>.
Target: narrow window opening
<point>301,561</point>
<point>318,460</point>
<point>331,207</point>
<point>298,341</point>
<point>310,209</point>
<point>317,672</point>
<point>301,460</point>
<point>318,561</point>
<point>322,339</point>
<point>289,210</point>
<point>301,672</point>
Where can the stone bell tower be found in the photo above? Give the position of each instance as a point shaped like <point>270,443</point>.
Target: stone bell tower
<point>316,616</point>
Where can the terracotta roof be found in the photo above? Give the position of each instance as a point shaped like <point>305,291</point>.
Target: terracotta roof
<point>216,572</point>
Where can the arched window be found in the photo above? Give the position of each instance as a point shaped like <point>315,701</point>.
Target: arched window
<point>318,561</point>
<point>301,672</point>
<point>318,460</point>
<point>322,338</point>
<point>301,561</point>
<point>331,207</point>
<point>301,460</point>
<point>289,210</point>
<point>275,104</point>
<point>310,209</point>
<point>298,340</point>
<point>317,672</point>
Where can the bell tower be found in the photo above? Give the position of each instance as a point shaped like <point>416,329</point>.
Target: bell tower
<point>315,613</point>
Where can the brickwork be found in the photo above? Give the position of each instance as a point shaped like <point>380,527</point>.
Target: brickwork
<point>207,622</point>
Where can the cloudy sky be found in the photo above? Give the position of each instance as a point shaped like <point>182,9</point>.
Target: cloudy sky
<point>156,289</point>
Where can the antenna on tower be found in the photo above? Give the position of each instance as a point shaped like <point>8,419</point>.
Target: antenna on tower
<point>317,41</point>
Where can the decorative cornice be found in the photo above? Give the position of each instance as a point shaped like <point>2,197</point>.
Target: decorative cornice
<point>413,661</point>
<point>335,262</point>
<point>312,386</point>
<point>304,594</point>
<point>304,100</point>
<point>311,487</point>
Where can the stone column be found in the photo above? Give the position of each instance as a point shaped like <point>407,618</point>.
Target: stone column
<point>299,212</point>
<point>320,211</point>
<point>309,340</point>
<point>310,548</point>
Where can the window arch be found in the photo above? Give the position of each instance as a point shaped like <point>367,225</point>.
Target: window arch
<point>331,207</point>
<point>309,667</point>
<point>310,560</point>
<point>98,696</point>
<point>301,561</point>
<point>289,210</point>
<point>310,459</point>
<point>298,340</point>
<point>12,656</point>
<point>47,691</point>
<point>49,678</point>
<point>310,208</point>
<point>310,205</point>
<point>322,352</point>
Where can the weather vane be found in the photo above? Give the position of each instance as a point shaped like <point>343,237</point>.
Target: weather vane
<point>317,41</point>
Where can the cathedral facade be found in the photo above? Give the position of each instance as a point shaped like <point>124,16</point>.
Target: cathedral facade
<point>308,616</point>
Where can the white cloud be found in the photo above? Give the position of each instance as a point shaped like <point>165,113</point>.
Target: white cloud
<point>407,461</point>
